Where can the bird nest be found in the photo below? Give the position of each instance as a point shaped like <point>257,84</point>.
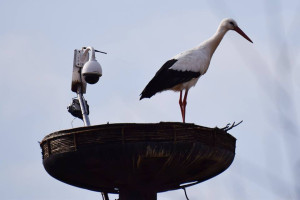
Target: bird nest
<point>162,156</point>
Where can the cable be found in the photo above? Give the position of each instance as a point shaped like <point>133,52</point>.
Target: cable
<point>104,196</point>
<point>185,193</point>
<point>72,122</point>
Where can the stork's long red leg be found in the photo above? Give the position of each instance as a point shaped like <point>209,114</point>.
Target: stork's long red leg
<point>184,104</point>
<point>181,105</point>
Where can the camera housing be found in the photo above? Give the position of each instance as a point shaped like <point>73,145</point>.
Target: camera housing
<point>91,71</point>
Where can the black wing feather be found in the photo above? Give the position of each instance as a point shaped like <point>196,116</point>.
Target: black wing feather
<point>167,78</point>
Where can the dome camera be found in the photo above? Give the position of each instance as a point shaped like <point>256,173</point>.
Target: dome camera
<point>92,71</point>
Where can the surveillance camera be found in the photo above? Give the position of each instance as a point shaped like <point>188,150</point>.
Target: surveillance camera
<point>92,71</point>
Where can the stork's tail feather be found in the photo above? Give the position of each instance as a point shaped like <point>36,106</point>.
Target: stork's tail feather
<point>146,94</point>
<point>142,97</point>
<point>150,89</point>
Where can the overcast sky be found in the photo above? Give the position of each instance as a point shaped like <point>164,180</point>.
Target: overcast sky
<point>257,83</point>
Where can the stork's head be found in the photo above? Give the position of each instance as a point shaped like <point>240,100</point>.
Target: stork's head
<point>230,24</point>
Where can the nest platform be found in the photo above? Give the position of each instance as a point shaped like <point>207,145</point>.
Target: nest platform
<point>150,158</point>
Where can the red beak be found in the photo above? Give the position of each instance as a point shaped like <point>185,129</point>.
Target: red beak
<point>237,29</point>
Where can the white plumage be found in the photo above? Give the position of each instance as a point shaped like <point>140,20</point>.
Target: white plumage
<point>183,70</point>
<point>195,60</point>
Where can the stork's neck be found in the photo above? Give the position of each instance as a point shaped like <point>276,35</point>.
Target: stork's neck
<point>213,42</point>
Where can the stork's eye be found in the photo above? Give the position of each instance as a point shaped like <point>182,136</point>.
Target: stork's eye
<point>231,23</point>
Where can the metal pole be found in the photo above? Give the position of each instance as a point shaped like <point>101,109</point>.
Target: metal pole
<point>85,116</point>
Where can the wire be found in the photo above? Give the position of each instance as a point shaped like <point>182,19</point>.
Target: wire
<point>72,122</point>
<point>104,196</point>
<point>185,193</point>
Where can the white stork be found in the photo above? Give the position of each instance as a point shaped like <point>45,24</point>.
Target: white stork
<point>183,70</point>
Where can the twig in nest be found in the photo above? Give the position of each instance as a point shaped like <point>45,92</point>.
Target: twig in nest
<point>228,127</point>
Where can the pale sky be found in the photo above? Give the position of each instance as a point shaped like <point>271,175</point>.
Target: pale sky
<point>257,83</point>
